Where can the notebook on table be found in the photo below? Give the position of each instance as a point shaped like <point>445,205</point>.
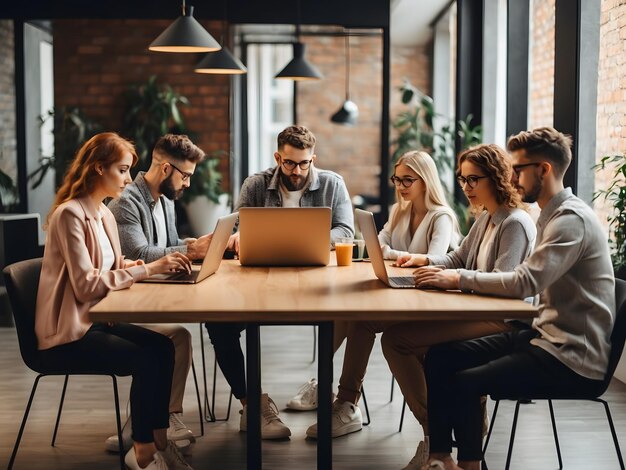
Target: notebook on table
<point>370,235</point>
<point>212,259</point>
<point>284,236</point>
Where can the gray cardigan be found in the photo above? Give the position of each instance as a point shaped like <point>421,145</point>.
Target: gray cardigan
<point>571,269</point>
<point>133,213</point>
<point>324,189</point>
<point>514,239</point>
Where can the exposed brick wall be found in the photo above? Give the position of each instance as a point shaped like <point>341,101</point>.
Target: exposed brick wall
<point>8,155</point>
<point>541,86</point>
<point>354,152</point>
<point>95,61</point>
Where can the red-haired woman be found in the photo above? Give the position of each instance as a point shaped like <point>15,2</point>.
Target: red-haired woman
<point>82,262</point>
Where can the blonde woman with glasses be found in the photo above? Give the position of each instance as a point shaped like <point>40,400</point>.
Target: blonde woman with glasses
<point>500,239</point>
<point>420,221</point>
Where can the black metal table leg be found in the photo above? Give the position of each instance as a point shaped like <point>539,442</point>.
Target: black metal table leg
<point>325,384</point>
<point>253,362</point>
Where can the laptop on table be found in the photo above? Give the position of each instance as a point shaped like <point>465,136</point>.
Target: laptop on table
<point>368,229</point>
<point>212,259</point>
<point>284,236</point>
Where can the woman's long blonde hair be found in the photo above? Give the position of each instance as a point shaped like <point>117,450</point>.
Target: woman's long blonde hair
<point>102,149</point>
<point>434,197</point>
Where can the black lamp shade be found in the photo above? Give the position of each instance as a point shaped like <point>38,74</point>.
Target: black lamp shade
<point>185,35</point>
<point>220,62</point>
<point>347,114</point>
<point>299,68</point>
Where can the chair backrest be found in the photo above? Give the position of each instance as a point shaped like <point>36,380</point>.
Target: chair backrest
<point>618,336</point>
<point>22,282</point>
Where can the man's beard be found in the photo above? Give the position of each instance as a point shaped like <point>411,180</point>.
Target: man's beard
<point>293,182</point>
<point>168,190</point>
<point>532,195</point>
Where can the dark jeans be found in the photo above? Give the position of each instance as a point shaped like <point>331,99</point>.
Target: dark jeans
<point>225,339</point>
<point>502,365</point>
<point>124,349</point>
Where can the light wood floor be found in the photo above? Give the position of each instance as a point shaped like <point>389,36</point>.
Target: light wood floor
<point>88,419</point>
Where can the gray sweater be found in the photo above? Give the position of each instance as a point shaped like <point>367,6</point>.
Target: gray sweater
<point>571,269</point>
<point>324,189</point>
<point>513,240</point>
<point>133,213</point>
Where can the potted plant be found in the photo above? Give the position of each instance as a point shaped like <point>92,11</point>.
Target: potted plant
<point>615,195</point>
<point>9,196</point>
<point>204,200</point>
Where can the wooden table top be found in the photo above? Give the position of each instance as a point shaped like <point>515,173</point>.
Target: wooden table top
<point>293,295</point>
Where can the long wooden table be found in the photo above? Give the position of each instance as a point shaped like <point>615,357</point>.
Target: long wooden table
<point>307,295</point>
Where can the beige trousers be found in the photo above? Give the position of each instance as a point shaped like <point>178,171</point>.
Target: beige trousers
<point>405,345</point>
<point>182,357</point>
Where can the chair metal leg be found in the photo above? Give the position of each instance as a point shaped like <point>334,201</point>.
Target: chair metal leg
<point>314,344</point>
<point>24,419</point>
<point>208,413</point>
<point>512,438</point>
<point>613,433</point>
<point>118,421</point>
<point>230,398</point>
<point>402,415</point>
<point>195,381</point>
<point>493,420</point>
<point>393,383</point>
<point>56,425</point>
<point>556,436</point>
<point>367,410</point>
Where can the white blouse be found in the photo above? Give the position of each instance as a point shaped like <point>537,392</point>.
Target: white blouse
<point>434,235</point>
<point>108,257</point>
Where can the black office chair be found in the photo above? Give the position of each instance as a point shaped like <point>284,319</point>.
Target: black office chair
<point>209,408</point>
<point>618,337</point>
<point>22,282</point>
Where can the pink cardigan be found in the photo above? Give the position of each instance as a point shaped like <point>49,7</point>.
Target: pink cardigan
<point>71,282</point>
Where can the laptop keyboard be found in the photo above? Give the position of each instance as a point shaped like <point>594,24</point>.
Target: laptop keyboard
<point>404,281</point>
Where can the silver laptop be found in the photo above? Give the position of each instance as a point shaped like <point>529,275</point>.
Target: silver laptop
<point>284,236</point>
<point>212,259</point>
<point>368,229</point>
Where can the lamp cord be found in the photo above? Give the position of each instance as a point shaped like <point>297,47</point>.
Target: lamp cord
<point>184,9</point>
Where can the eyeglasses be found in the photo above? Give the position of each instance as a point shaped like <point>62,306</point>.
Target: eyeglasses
<point>185,175</point>
<point>290,164</point>
<point>407,181</point>
<point>517,169</point>
<point>470,180</point>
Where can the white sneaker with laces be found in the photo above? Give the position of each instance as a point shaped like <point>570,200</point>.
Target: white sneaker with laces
<point>271,425</point>
<point>306,398</point>
<point>174,458</point>
<point>346,418</point>
<point>157,464</point>
<point>421,456</point>
<point>178,431</point>
<point>127,441</point>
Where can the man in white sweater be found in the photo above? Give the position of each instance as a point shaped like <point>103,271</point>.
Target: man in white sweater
<point>569,344</point>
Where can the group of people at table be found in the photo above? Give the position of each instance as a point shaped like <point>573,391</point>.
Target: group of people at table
<point>560,261</point>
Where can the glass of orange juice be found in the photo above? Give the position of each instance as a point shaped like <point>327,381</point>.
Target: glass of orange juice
<point>343,250</point>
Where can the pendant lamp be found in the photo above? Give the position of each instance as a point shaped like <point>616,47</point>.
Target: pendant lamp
<point>222,61</point>
<point>185,35</point>
<point>349,111</point>
<point>299,69</point>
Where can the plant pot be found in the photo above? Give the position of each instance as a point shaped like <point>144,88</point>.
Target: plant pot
<point>203,214</point>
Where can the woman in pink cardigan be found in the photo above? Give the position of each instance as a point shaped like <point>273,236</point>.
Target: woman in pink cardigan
<point>82,262</point>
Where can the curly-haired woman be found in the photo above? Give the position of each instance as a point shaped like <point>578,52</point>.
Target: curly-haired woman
<point>500,239</point>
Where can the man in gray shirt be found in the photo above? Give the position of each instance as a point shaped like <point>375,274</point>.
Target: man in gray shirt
<point>568,346</point>
<point>293,182</point>
<point>147,228</point>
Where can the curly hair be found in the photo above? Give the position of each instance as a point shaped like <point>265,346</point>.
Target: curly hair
<point>296,136</point>
<point>496,164</point>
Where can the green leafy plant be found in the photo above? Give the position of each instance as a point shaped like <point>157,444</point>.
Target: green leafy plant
<point>615,196</point>
<point>71,129</point>
<point>9,196</point>
<point>151,111</point>
<point>206,180</point>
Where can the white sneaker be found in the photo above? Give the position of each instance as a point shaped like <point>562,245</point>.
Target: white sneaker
<point>174,458</point>
<point>179,432</point>
<point>306,398</point>
<point>271,425</point>
<point>346,418</point>
<point>421,456</point>
<point>127,441</point>
<point>157,464</point>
